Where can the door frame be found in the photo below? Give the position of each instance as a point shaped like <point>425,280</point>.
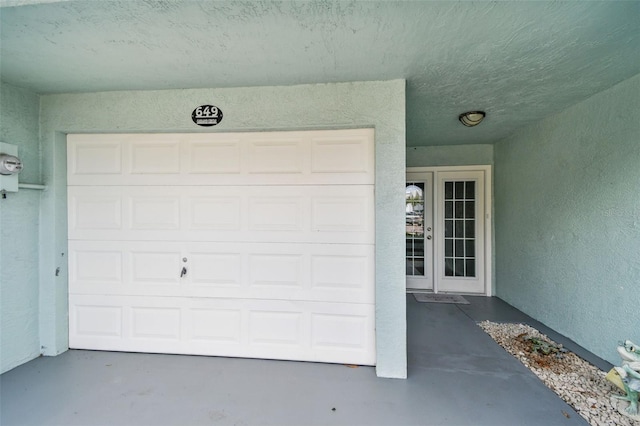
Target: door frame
<point>488,217</point>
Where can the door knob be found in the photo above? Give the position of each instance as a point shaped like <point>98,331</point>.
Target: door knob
<point>428,237</point>
<point>183,273</point>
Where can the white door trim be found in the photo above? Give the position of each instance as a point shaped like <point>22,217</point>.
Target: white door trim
<point>488,216</point>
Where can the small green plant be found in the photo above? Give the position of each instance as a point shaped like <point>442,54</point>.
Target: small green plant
<point>546,348</point>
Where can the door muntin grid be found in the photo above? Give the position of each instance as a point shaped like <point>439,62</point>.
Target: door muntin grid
<point>460,206</point>
<point>414,225</point>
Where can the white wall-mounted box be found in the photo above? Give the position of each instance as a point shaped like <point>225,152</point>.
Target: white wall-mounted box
<point>9,183</point>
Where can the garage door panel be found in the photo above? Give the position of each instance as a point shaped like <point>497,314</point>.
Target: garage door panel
<point>215,269</point>
<point>314,272</point>
<point>217,157</point>
<point>154,267</point>
<point>307,331</point>
<point>342,214</point>
<point>98,155</point>
<point>230,244</point>
<point>97,267</point>
<point>90,321</point>
<point>215,325</point>
<point>277,155</point>
<point>214,213</point>
<point>276,214</point>
<point>155,323</point>
<point>341,154</point>
<point>276,270</point>
<point>154,157</point>
<point>334,273</point>
<point>341,157</point>
<point>119,267</point>
<point>275,328</point>
<point>155,213</point>
<point>95,212</point>
<point>333,214</point>
<point>330,331</point>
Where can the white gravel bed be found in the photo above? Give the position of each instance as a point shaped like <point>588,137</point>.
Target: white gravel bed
<point>579,383</point>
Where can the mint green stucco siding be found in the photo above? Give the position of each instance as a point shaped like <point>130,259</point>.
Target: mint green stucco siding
<point>19,227</point>
<point>450,155</point>
<point>567,220</point>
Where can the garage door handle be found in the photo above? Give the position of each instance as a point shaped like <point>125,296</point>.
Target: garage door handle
<point>183,273</point>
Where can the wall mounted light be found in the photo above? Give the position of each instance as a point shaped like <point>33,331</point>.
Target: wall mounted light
<point>471,118</point>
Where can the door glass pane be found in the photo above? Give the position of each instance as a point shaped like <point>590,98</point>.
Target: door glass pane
<point>459,209</point>
<point>448,267</point>
<point>414,225</point>
<point>470,228</point>
<point>448,228</point>
<point>470,190</point>
<point>448,209</point>
<point>470,267</point>
<point>470,249</point>
<point>460,229</point>
<point>448,190</point>
<point>469,209</point>
<point>418,248</point>
<point>418,266</point>
<point>448,247</point>
<point>459,267</point>
<point>459,190</point>
<point>409,266</point>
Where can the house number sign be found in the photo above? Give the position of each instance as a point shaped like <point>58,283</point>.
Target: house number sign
<point>206,115</point>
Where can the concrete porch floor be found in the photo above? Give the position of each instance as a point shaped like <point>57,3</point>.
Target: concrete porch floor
<point>457,376</point>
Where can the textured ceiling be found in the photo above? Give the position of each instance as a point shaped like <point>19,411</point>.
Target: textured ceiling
<point>518,61</point>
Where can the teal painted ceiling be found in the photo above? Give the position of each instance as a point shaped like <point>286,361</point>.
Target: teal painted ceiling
<point>518,61</point>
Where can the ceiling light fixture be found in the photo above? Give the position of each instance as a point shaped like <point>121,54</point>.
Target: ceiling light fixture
<point>471,118</point>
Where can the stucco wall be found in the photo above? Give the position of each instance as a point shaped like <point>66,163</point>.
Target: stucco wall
<point>449,155</point>
<point>19,216</point>
<point>567,214</point>
<point>348,105</point>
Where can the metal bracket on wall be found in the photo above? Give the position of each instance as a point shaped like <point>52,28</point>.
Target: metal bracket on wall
<point>32,186</point>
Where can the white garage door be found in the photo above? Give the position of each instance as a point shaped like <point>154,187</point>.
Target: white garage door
<point>253,245</point>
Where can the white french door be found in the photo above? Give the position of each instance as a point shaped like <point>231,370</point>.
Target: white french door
<point>447,230</point>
